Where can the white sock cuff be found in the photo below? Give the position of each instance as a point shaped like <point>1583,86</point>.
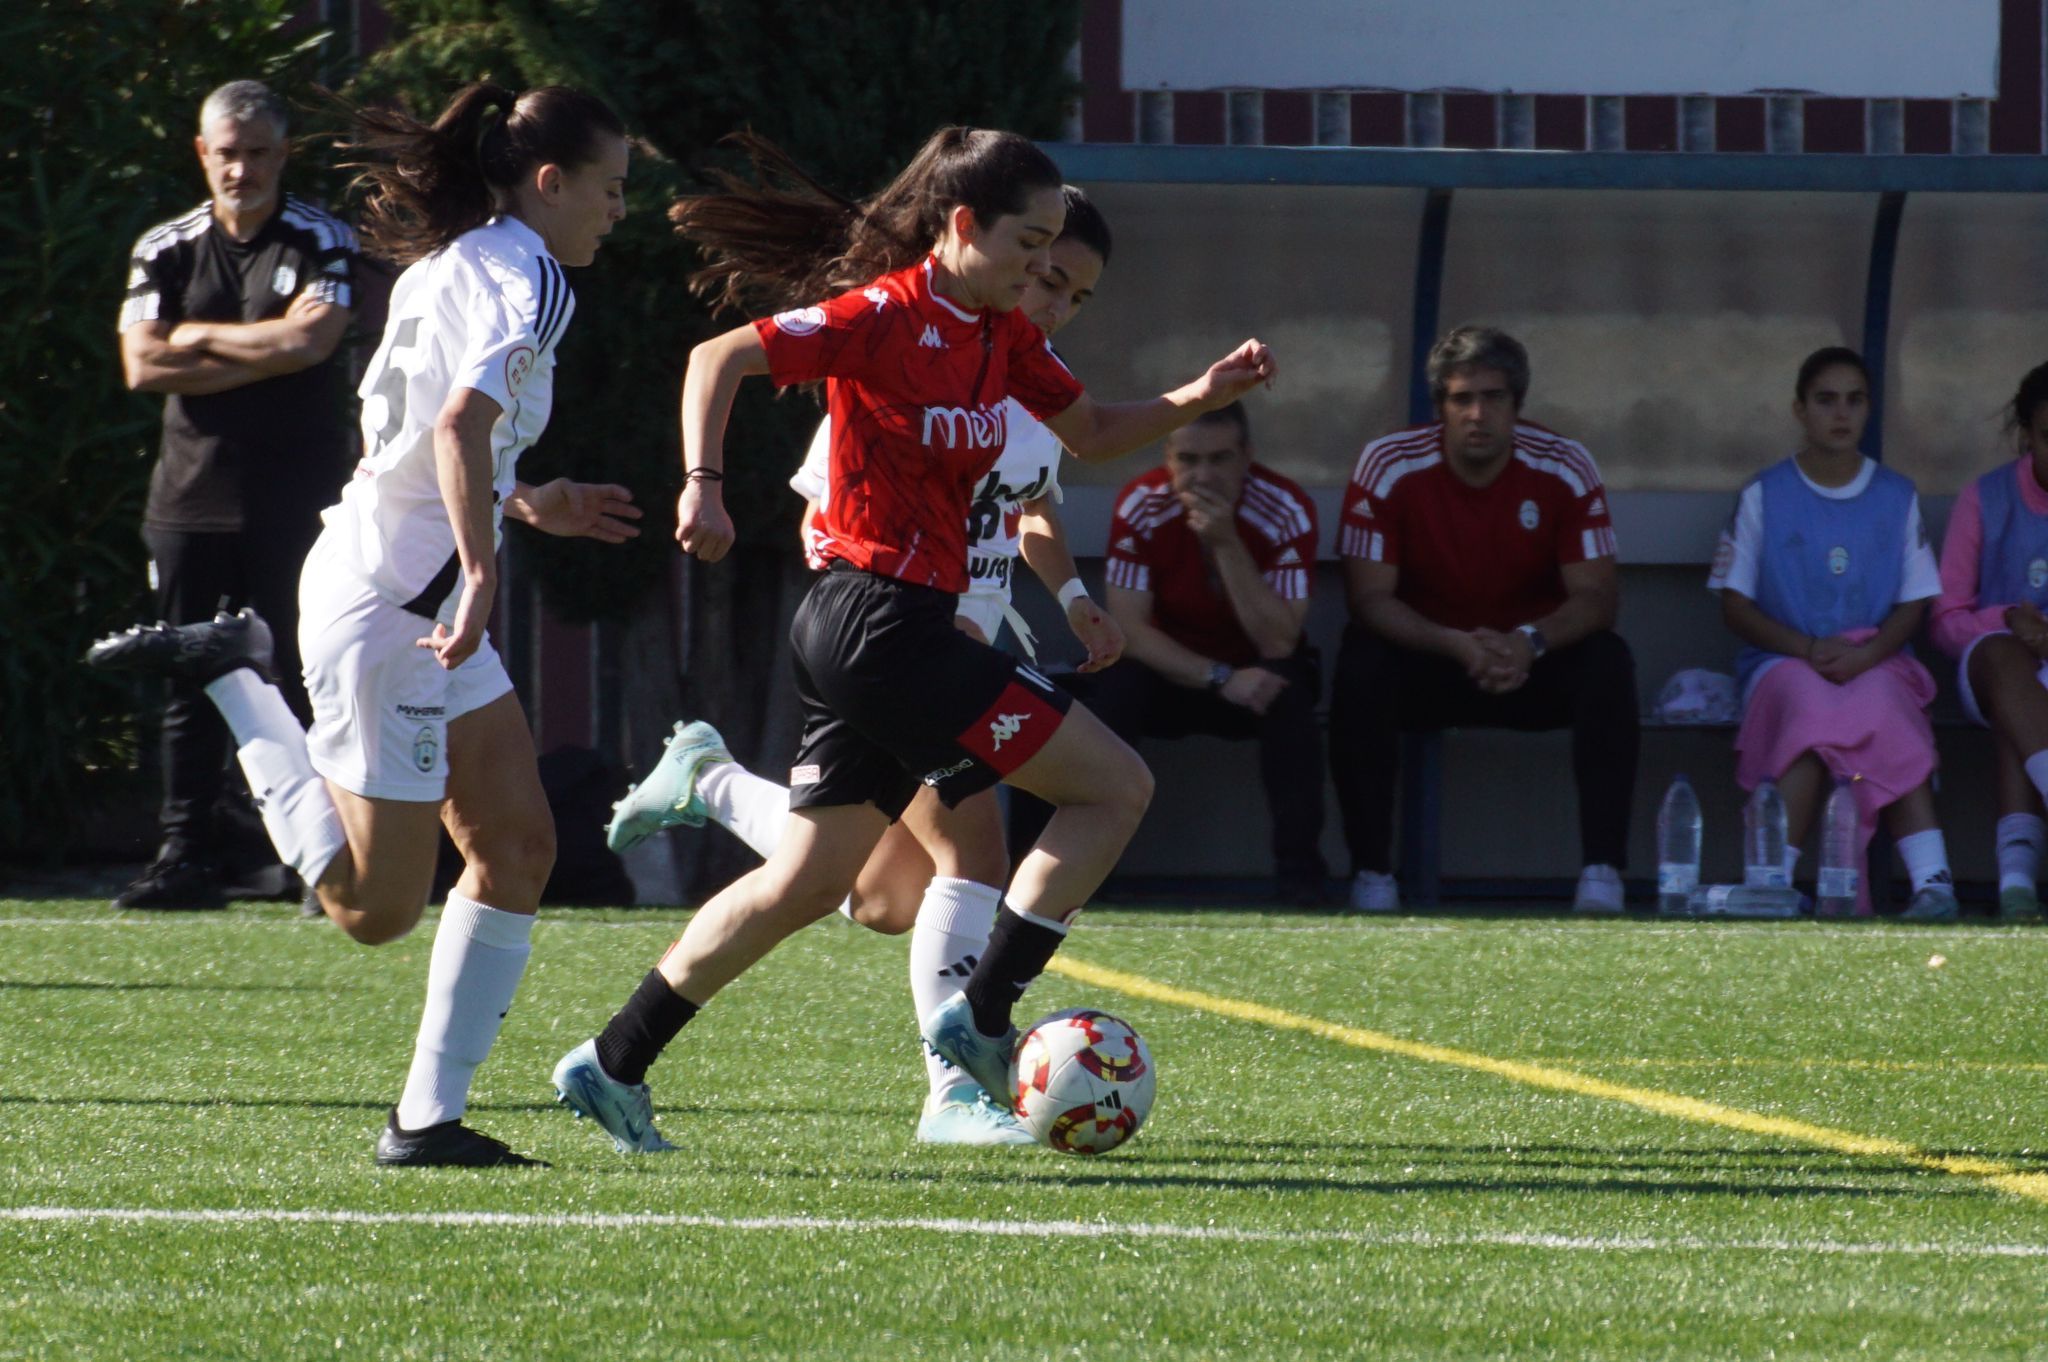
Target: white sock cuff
<point>958,907</point>
<point>1050,924</point>
<point>1927,840</point>
<point>712,776</point>
<point>252,706</point>
<point>485,925</point>
<point>2029,828</point>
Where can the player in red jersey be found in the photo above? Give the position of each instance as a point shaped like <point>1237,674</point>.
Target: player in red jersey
<point>919,343</point>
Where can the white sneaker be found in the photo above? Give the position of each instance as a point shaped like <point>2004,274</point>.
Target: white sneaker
<point>1599,891</point>
<point>1372,892</point>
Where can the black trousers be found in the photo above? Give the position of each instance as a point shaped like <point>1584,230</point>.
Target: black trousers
<point>195,571</point>
<point>1138,703</point>
<point>1382,690</point>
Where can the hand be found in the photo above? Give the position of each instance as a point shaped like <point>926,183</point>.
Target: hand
<point>583,510</point>
<point>2030,627</point>
<point>1236,374</point>
<point>188,336</point>
<point>1097,632</point>
<point>472,613</point>
<point>1254,688</point>
<point>702,527</point>
<point>304,304</point>
<point>1504,660</point>
<point>1213,519</point>
<point>1840,661</point>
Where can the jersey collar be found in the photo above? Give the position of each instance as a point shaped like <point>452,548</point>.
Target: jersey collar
<point>522,233</point>
<point>933,294</point>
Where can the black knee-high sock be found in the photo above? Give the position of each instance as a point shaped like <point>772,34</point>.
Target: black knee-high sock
<point>1018,950</point>
<point>637,1034</point>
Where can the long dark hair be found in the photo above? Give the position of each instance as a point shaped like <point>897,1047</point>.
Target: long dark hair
<point>782,238</point>
<point>1820,361</point>
<point>2019,413</point>
<point>429,183</point>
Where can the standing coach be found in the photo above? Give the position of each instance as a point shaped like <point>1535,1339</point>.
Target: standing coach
<point>234,312</point>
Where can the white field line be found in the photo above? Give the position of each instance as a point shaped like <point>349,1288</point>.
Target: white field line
<point>1013,1229</point>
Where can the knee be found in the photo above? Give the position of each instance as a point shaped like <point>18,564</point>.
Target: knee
<point>878,914</point>
<point>1130,793</point>
<point>523,854</point>
<point>373,924</point>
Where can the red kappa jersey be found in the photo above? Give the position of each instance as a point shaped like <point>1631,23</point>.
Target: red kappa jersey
<point>1477,557</point>
<point>915,387</point>
<point>1152,549</point>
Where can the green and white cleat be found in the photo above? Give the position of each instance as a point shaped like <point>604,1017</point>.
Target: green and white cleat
<point>950,1031</point>
<point>668,797</point>
<point>964,1115</point>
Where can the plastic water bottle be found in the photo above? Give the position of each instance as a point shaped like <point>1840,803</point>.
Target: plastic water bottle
<point>1763,839</point>
<point>1838,869</point>
<point>1678,848</point>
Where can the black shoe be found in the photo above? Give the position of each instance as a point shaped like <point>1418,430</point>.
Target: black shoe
<point>450,1144</point>
<point>174,882</point>
<point>271,883</point>
<point>190,652</point>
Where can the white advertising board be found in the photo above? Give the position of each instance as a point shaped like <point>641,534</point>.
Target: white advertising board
<point>1933,49</point>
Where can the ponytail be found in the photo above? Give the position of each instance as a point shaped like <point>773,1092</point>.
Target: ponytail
<point>2033,394</point>
<point>429,183</point>
<point>781,238</point>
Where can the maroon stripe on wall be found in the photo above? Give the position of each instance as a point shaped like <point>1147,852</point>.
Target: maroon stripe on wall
<point>1835,125</point>
<point>1471,122</point>
<point>1560,123</point>
<point>1930,127</point>
<point>1739,124</point>
<point>1108,111</point>
<point>2016,113</point>
<point>564,668</point>
<point>1652,122</point>
<point>1379,120</point>
<point>1199,118</point>
<point>1290,118</point>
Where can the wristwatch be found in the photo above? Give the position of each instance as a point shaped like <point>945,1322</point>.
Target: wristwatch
<point>1537,646</point>
<point>1220,674</point>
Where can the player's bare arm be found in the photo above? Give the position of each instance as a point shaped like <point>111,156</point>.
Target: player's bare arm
<point>462,463</point>
<point>1042,543</point>
<point>304,336</point>
<point>1095,431</point>
<point>603,511</point>
<point>151,363</point>
<point>709,386</point>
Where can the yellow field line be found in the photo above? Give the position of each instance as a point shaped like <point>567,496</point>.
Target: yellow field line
<point>2005,1178</point>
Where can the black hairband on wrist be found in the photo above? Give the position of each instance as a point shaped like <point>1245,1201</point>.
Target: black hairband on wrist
<point>704,475</point>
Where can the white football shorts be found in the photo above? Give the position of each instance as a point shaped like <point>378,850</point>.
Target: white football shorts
<point>381,703</point>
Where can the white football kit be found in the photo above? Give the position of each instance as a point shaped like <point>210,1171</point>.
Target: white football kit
<point>1027,469</point>
<point>485,313</point>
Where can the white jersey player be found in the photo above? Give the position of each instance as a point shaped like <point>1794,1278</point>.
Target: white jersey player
<point>414,723</point>
<point>938,870</point>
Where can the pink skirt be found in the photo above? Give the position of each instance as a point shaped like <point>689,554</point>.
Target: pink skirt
<point>1873,730</point>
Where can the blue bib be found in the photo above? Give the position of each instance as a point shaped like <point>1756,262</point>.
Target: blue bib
<point>1829,564</point>
<point>2012,564</point>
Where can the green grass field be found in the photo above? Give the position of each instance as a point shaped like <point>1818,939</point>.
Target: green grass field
<point>1432,1137</point>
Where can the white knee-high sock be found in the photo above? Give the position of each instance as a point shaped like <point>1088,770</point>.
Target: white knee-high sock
<point>479,954</point>
<point>953,922</point>
<point>297,810</point>
<point>2021,838</point>
<point>1926,858</point>
<point>750,808</point>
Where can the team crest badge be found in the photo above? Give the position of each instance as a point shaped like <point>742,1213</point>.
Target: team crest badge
<point>2037,573</point>
<point>1838,560</point>
<point>284,280</point>
<point>800,321</point>
<point>1529,515</point>
<point>426,748</point>
<point>518,365</point>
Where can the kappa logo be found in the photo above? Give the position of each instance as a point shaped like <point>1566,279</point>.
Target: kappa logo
<point>1004,727</point>
<point>930,338</point>
<point>876,296</point>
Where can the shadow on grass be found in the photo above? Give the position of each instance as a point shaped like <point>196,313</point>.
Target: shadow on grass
<point>84,985</point>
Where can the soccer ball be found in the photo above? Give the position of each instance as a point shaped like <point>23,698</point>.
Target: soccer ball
<point>1084,1082</point>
